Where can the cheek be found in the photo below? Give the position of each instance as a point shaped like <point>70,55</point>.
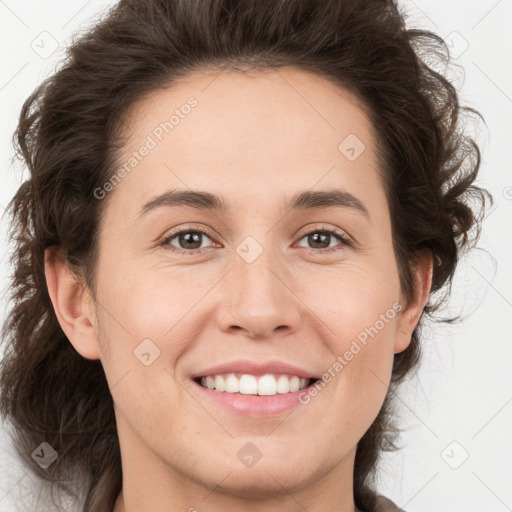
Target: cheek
<point>152,302</point>
<point>364,362</point>
<point>142,325</point>
<point>352,298</point>
<point>149,318</point>
<point>362,313</point>
<point>366,326</point>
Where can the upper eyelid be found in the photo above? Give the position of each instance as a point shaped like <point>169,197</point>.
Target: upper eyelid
<point>186,230</point>
<point>320,227</point>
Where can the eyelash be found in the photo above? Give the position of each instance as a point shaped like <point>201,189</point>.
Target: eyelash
<point>344,241</point>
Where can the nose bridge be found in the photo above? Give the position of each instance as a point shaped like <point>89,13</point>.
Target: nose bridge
<point>261,300</point>
<point>256,268</point>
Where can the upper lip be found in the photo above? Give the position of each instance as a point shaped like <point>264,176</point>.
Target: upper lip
<point>255,368</point>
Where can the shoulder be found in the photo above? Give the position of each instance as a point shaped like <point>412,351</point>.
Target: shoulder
<point>386,505</point>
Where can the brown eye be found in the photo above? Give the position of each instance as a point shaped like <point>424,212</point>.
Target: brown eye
<point>320,240</point>
<point>186,241</point>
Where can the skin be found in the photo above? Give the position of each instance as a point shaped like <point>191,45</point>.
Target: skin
<point>256,139</point>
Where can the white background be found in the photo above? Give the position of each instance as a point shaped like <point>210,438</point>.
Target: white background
<point>460,403</point>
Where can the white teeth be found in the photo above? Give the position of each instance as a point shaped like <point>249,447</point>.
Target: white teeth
<point>248,385</point>
<point>283,384</point>
<point>266,385</point>
<point>220,385</point>
<point>232,384</point>
<point>294,384</point>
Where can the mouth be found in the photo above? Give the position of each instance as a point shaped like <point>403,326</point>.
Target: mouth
<point>254,396</point>
<point>255,388</point>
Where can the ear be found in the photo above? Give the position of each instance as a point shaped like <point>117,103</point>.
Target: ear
<point>410,316</point>
<point>73,304</point>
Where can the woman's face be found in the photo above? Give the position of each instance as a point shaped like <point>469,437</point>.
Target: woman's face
<point>263,285</point>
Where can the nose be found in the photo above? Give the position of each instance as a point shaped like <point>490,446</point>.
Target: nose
<point>260,300</point>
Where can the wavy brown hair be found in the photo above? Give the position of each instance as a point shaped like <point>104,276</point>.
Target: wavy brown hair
<point>69,136</point>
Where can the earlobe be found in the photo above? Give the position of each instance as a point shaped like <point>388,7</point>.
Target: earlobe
<point>411,314</point>
<point>72,304</point>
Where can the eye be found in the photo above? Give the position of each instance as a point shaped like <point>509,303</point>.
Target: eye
<point>189,241</point>
<point>320,237</point>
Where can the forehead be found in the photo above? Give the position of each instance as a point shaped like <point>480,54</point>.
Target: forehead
<point>256,105</point>
<point>260,131</point>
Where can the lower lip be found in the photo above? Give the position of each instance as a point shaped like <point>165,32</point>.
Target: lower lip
<point>255,405</point>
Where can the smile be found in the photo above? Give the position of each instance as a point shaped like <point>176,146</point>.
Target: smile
<point>254,396</point>
<point>247,384</point>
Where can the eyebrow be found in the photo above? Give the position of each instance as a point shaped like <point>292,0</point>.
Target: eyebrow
<point>305,200</point>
